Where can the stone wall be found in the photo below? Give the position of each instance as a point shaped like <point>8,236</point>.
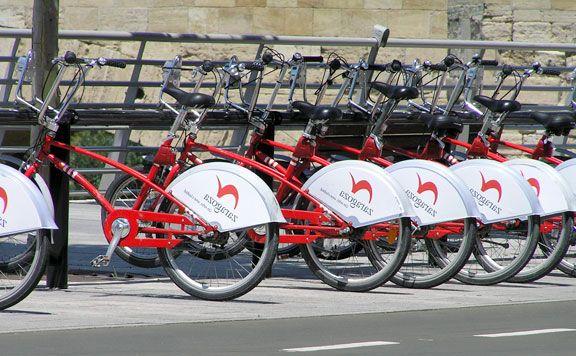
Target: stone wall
<point>406,18</point>
<point>505,20</point>
<point>547,21</point>
<point>409,18</point>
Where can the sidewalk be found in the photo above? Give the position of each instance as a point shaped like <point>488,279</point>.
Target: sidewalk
<point>103,301</point>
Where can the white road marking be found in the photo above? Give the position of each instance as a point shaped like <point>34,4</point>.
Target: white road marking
<point>341,346</point>
<point>527,332</point>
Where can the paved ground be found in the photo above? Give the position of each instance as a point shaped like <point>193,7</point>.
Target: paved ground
<point>156,317</point>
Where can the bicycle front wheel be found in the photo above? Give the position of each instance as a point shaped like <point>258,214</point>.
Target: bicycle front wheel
<point>501,251</point>
<point>554,242</point>
<point>356,271</point>
<point>433,261</point>
<point>22,263</point>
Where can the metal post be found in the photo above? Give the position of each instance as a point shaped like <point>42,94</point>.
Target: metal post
<point>268,151</point>
<point>239,134</point>
<point>45,47</point>
<point>381,34</point>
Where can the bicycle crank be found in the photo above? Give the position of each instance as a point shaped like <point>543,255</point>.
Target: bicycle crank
<point>120,229</point>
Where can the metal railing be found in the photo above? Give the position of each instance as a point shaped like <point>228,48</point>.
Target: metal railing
<point>127,115</point>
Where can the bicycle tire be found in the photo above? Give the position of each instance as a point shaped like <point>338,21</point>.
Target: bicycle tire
<point>34,271</point>
<point>180,262</point>
<point>435,265</point>
<point>487,270</point>
<point>553,250</point>
<point>331,271</point>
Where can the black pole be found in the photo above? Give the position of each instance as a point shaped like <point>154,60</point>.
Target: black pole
<point>45,47</point>
<point>57,264</point>
<point>269,134</point>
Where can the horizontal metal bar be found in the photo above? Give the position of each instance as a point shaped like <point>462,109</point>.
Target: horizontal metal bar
<point>528,46</point>
<point>198,38</point>
<point>290,40</point>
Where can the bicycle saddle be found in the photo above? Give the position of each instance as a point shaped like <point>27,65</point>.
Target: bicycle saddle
<point>557,123</point>
<point>397,92</point>
<point>195,100</point>
<point>498,106</point>
<point>442,122</point>
<point>318,113</point>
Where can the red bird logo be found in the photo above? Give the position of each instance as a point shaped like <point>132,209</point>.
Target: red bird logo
<point>227,190</point>
<point>4,198</point>
<point>427,186</point>
<point>361,185</point>
<point>534,183</point>
<point>491,184</point>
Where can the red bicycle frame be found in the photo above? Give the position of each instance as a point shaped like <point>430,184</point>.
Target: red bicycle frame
<point>133,216</point>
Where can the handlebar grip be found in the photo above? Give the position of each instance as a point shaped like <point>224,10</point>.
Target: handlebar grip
<point>254,66</point>
<point>115,63</point>
<point>207,66</point>
<point>441,67</point>
<point>70,57</point>
<point>489,62</point>
<point>379,67</point>
<point>316,59</point>
<point>394,66</point>
<point>448,61</point>
<point>550,71</point>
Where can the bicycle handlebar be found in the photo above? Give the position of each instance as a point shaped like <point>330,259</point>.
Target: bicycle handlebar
<point>267,57</point>
<point>394,66</point>
<point>440,67</point>
<point>297,57</point>
<point>549,71</point>
<point>71,58</point>
<point>207,66</point>
<point>335,64</point>
<point>257,66</point>
<point>449,60</point>
<point>111,63</point>
<point>488,62</point>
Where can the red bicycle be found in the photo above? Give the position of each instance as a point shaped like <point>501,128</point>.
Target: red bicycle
<point>183,212</point>
<point>441,145</point>
<point>379,112</point>
<point>449,245</point>
<point>309,219</point>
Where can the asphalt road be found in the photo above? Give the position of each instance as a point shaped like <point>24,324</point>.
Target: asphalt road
<point>522,329</point>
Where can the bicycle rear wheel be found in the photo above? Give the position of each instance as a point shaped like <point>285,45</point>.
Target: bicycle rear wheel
<point>22,263</point>
<point>234,273</point>
<point>501,251</point>
<point>433,261</point>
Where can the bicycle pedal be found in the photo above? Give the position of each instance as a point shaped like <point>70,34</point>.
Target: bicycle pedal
<point>100,261</point>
